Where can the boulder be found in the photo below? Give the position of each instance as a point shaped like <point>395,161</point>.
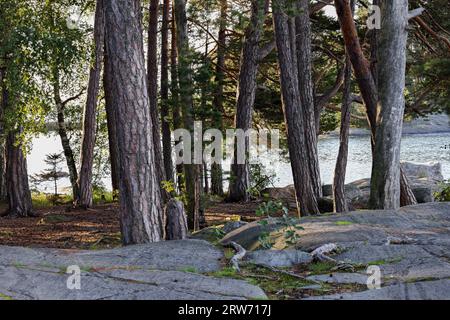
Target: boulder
<point>279,258</point>
<point>249,235</point>
<point>233,225</point>
<point>431,171</point>
<point>423,194</point>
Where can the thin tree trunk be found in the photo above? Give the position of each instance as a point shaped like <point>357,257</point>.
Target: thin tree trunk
<point>191,171</point>
<point>111,120</point>
<point>285,39</point>
<point>339,199</point>
<point>360,64</point>
<point>385,181</point>
<point>304,61</point>
<point>216,168</point>
<point>165,106</point>
<point>140,198</point>
<point>177,123</point>
<point>3,98</point>
<point>239,179</point>
<point>152,80</point>
<point>90,113</point>
<point>407,196</point>
<point>62,131</point>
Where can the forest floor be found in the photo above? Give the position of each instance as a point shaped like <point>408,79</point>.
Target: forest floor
<point>95,228</point>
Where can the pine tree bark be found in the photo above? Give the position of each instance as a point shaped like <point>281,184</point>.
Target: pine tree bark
<point>304,61</point>
<point>239,179</point>
<point>90,113</point>
<point>175,99</point>
<point>152,80</point>
<point>62,131</point>
<point>366,78</point>
<point>339,200</point>
<point>176,223</point>
<point>19,195</point>
<point>17,188</point>
<point>360,64</point>
<point>140,198</point>
<point>285,40</point>
<point>3,98</point>
<point>111,121</point>
<point>216,168</point>
<point>393,35</point>
<point>191,171</point>
<point>165,105</point>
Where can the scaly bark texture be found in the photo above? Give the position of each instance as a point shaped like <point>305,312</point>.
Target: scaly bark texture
<point>285,40</point>
<point>304,61</point>
<point>152,80</point>
<point>175,99</point>
<point>360,64</point>
<point>216,168</point>
<point>366,77</point>
<point>165,105</point>
<point>62,131</point>
<point>90,112</point>
<point>112,125</point>
<point>141,213</point>
<point>239,179</point>
<point>339,200</point>
<point>17,188</point>
<point>3,98</point>
<point>176,223</point>
<point>385,182</point>
<point>19,195</point>
<point>191,171</point>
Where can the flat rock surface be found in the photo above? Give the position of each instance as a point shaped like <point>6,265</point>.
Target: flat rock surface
<point>279,258</point>
<point>164,270</point>
<point>424,290</point>
<point>411,246</point>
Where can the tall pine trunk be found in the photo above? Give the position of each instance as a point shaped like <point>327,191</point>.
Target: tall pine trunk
<point>111,121</point>
<point>62,131</point>
<point>191,171</point>
<point>366,80</point>
<point>165,105</point>
<point>304,61</point>
<point>16,177</point>
<point>216,168</point>
<point>339,201</point>
<point>175,98</point>
<point>239,179</point>
<point>285,40</point>
<point>393,35</point>
<point>3,98</point>
<point>141,213</point>
<point>90,112</point>
<point>152,80</point>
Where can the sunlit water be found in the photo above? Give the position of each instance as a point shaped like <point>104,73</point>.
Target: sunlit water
<point>417,148</point>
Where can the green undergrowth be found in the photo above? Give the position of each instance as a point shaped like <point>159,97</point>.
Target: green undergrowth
<point>43,200</point>
<point>276,285</point>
